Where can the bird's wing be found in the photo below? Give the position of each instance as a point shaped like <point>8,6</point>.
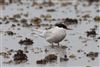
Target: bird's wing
<point>49,33</point>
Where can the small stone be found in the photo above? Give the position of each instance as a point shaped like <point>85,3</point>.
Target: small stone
<point>92,55</point>
<point>6,22</point>
<point>72,56</point>
<point>92,58</point>
<point>98,37</point>
<point>42,61</point>
<point>79,57</point>
<point>13,19</point>
<point>23,20</point>
<point>88,66</point>
<point>0,22</point>
<point>85,45</point>
<point>84,52</point>
<point>10,33</point>
<point>91,33</point>
<point>64,47</point>
<point>64,59</point>
<point>79,51</point>
<point>13,25</point>
<point>70,21</point>
<point>97,18</point>
<point>50,10</point>
<point>51,57</point>
<point>17,16</point>
<point>46,50</point>
<point>36,21</point>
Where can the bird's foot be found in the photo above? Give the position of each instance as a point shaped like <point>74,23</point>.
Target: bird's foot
<point>52,46</point>
<point>58,45</point>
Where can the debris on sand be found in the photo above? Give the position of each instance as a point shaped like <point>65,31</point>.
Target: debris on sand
<point>10,33</point>
<point>51,57</point>
<point>46,50</point>
<point>27,41</point>
<point>64,59</point>
<point>92,55</point>
<point>79,50</point>
<point>88,66</point>
<point>91,33</point>
<point>85,17</point>
<point>25,49</point>
<point>23,20</point>
<point>97,18</point>
<point>26,15</point>
<point>69,21</point>
<point>51,10</point>
<point>7,22</point>
<point>64,4</point>
<point>4,54</point>
<point>8,62</point>
<point>98,37</point>
<point>36,21</point>
<point>24,23</point>
<point>13,25</point>
<point>4,18</point>
<point>13,19</point>
<point>48,4</point>
<point>0,22</point>
<point>72,56</point>
<point>91,1</point>
<point>11,50</point>
<point>17,16</point>
<point>46,17</point>
<point>20,57</point>
<point>64,47</point>
<point>7,54</point>
<point>42,61</point>
<point>34,3</point>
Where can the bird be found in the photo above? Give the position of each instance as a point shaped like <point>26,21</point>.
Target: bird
<point>55,34</point>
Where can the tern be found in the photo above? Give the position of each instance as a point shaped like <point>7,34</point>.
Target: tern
<point>55,34</point>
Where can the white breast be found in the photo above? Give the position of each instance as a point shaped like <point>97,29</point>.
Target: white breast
<point>55,35</point>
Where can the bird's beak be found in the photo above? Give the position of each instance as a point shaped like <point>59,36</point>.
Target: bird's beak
<point>68,29</point>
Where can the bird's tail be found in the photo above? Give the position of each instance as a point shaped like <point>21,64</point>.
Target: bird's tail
<point>39,32</point>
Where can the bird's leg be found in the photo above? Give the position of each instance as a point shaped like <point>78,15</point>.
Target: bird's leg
<point>52,45</point>
<point>58,44</point>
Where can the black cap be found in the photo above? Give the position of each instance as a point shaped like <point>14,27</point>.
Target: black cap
<point>61,25</point>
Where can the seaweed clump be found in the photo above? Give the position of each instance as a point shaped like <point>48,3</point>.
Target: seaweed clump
<point>70,21</point>
<point>10,33</point>
<point>92,55</point>
<point>49,58</point>
<point>20,57</point>
<point>91,33</point>
<point>26,42</point>
<point>97,18</point>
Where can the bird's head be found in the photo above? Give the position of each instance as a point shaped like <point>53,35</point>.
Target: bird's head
<point>62,26</point>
